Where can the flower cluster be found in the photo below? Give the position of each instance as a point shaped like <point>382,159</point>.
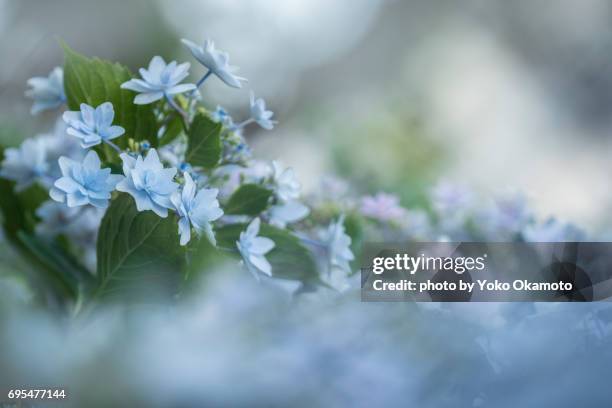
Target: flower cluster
<point>93,156</point>
<point>91,159</point>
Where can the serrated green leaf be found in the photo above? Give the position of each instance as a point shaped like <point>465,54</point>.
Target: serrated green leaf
<point>204,146</point>
<point>94,81</point>
<point>249,199</point>
<point>289,258</point>
<point>138,252</point>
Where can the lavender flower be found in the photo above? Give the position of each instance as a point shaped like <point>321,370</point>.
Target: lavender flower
<point>383,207</point>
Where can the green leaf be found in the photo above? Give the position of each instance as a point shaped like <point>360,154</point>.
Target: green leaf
<point>55,273</point>
<point>289,258</point>
<point>355,229</point>
<point>204,147</point>
<point>65,270</point>
<point>138,252</point>
<point>249,199</point>
<point>94,81</point>
<point>18,208</point>
<point>13,217</point>
<point>173,129</point>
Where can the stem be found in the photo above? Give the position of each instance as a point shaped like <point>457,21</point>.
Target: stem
<point>177,108</point>
<point>198,85</point>
<point>114,146</point>
<point>203,79</point>
<point>242,124</point>
<point>310,241</point>
<point>227,249</point>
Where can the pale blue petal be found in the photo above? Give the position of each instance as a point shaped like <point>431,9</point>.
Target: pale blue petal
<point>184,230</point>
<point>180,89</point>
<point>149,97</point>
<point>261,245</point>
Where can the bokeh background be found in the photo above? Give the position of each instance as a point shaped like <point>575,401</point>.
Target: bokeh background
<point>393,96</point>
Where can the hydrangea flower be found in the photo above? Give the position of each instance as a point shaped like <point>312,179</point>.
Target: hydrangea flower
<point>287,213</point>
<point>25,164</point>
<point>235,149</point>
<point>84,182</point>
<point>287,186</point>
<point>58,144</point>
<point>448,197</point>
<point>506,218</point>
<point>259,113</point>
<point>173,153</point>
<point>220,115</point>
<point>552,230</point>
<point>338,245</point>
<point>48,93</point>
<point>161,80</point>
<point>54,218</point>
<point>148,182</point>
<point>80,225</point>
<point>383,207</point>
<point>253,249</point>
<point>196,208</point>
<point>216,61</point>
<point>93,126</point>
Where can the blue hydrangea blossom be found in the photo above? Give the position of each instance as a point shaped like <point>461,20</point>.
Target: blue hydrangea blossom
<point>338,245</point>
<point>221,115</point>
<point>253,249</point>
<point>47,92</point>
<point>287,213</point>
<point>216,61</point>
<point>259,114</point>
<point>287,187</point>
<point>25,164</point>
<point>54,218</point>
<point>84,182</point>
<point>93,126</point>
<point>159,81</point>
<point>197,208</point>
<point>148,182</point>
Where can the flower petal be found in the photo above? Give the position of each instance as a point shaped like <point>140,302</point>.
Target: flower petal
<point>149,97</point>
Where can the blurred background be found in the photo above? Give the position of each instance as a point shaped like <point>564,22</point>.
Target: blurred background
<point>394,95</point>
